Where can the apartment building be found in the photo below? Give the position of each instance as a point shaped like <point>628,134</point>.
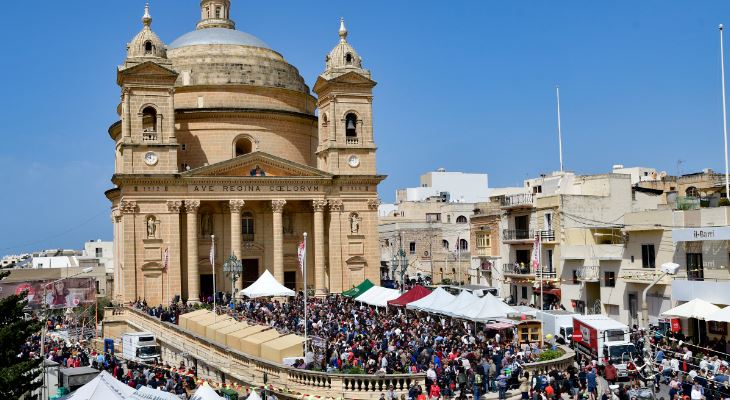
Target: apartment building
<point>430,224</point>
<point>575,221</point>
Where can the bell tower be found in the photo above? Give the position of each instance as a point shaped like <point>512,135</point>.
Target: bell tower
<point>148,143</point>
<point>346,144</point>
<point>215,14</point>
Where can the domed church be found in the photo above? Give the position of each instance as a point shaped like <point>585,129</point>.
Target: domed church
<point>221,150</point>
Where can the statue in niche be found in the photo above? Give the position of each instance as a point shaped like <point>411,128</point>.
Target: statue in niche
<point>354,223</point>
<point>206,224</point>
<point>286,225</point>
<point>151,227</point>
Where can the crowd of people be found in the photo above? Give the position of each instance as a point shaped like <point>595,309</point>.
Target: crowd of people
<point>460,360</point>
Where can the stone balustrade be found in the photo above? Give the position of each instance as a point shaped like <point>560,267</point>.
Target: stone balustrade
<point>221,363</point>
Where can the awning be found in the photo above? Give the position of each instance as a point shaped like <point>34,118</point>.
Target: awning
<point>359,289</point>
<point>696,308</point>
<point>722,315</point>
<point>418,292</point>
<point>498,326</point>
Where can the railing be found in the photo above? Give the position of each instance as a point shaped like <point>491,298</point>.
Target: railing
<point>558,364</point>
<point>547,236</point>
<point>588,273</point>
<point>352,140</point>
<point>149,136</point>
<point>517,234</point>
<point>247,369</point>
<point>514,200</point>
<point>524,269</point>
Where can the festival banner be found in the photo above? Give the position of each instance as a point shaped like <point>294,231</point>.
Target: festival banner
<point>67,293</point>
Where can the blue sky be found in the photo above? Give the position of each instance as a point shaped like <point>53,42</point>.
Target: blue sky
<point>464,85</point>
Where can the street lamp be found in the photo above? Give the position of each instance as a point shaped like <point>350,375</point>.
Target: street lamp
<point>400,260</point>
<point>666,269</point>
<point>233,267</point>
<point>45,324</point>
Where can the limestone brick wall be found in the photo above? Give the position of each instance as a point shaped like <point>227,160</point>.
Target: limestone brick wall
<point>244,96</point>
<point>212,140</point>
<point>227,64</point>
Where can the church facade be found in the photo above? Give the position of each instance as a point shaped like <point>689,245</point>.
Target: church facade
<point>221,145</point>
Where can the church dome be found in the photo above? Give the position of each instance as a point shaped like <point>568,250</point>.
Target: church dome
<point>217,36</point>
<point>146,44</point>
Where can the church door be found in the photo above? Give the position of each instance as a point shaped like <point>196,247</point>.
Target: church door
<point>290,279</point>
<point>250,271</point>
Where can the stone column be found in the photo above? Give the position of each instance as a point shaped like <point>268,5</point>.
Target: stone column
<point>319,284</point>
<point>236,248</point>
<point>336,272</point>
<point>128,285</point>
<point>191,209</point>
<point>173,280</point>
<point>277,206</point>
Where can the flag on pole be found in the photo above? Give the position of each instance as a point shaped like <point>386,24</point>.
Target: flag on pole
<point>536,253</point>
<point>301,254</point>
<point>166,259</point>
<point>212,254</point>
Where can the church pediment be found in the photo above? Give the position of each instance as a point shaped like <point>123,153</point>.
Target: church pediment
<point>147,68</point>
<point>256,164</point>
<point>350,78</point>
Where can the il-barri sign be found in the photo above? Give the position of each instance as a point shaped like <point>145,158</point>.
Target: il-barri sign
<point>699,234</point>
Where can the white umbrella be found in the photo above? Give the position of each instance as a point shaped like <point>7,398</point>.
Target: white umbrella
<point>722,315</point>
<point>696,308</point>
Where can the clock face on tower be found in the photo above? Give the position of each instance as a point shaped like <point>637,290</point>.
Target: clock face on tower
<point>150,158</point>
<point>353,161</point>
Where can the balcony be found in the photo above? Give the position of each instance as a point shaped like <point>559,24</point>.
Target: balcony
<point>517,234</point>
<point>523,270</point>
<point>547,236</point>
<point>247,237</point>
<point>352,141</point>
<point>517,200</point>
<point>149,136</point>
<point>588,273</point>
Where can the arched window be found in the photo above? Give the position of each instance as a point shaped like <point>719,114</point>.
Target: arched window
<point>243,146</point>
<point>461,219</point>
<point>348,59</point>
<point>692,192</point>
<point>351,125</point>
<point>149,120</point>
<point>463,244</point>
<point>147,48</point>
<point>247,226</point>
<point>445,244</point>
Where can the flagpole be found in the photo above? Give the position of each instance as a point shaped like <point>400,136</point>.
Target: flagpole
<point>304,272</point>
<point>212,264</point>
<point>724,114</point>
<point>560,132</point>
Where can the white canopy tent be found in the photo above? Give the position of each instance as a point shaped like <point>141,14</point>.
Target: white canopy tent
<point>696,308</point>
<point>253,395</point>
<point>266,286</point>
<point>378,296</point>
<point>103,387</point>
<point>147,393</point>
<point>423,303</point>
<point>722,315</point>
<point>205,392</point>
<point>492,308</point>
<point>461,303</point>
<point>440,303</point>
